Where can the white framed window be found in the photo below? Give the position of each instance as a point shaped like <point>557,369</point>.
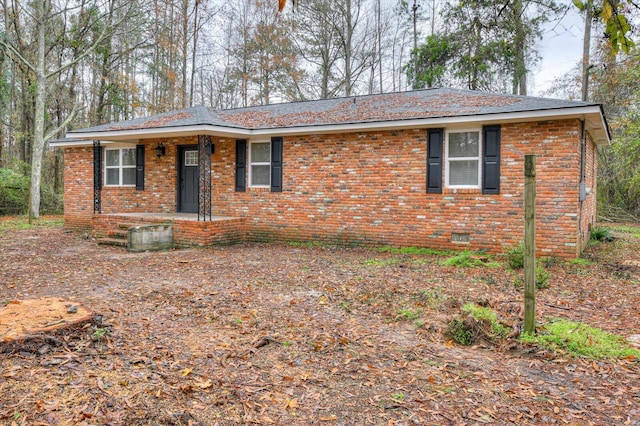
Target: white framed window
<point>260,164</point>
<point>120,166</point>
<point>463,159</point>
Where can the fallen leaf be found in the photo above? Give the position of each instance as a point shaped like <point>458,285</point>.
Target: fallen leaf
<point>204,385</point>
<point>291,404</point>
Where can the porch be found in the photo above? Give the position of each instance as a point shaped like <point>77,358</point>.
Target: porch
<point>187,229</point>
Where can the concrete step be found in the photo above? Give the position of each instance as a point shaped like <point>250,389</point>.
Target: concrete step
<point>106,241</point>
<point>120,233</point>
<point>127,225</point>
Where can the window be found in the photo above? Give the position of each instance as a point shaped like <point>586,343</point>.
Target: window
<point>260,164</point>
<point>463,159</point>
<point>120,167</point>
<point>191,158</point>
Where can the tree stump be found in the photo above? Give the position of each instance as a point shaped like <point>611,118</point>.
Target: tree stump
<point>28,324</point>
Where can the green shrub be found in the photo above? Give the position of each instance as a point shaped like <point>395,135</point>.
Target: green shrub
<point>480,313</point>
<point>515,256</point>
<point>50,202</point>
<point>600,233</point>
<point>460,331</point>
<point>542,278</point>
<point>14,192</point>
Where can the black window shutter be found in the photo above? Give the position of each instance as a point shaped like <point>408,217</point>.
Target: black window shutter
<point>140,167</point>
<point>491,160</point>
<point>241,165</point>
<point>434,160</point>
<point>276,164</point>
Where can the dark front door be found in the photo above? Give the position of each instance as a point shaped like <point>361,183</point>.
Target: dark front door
<point>188,179</point>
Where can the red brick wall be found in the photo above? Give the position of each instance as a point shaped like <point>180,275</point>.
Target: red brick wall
<point>370,188</point>
<point>588,213</point>
<point>78,188</point>
<point>160,180</point>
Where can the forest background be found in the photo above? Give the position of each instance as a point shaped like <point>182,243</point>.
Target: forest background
<point>69,64</point>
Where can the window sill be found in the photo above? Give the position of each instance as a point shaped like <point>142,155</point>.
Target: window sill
<point>472,191</point>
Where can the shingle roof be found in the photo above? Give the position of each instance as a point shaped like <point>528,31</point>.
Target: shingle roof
<point>428,103</point>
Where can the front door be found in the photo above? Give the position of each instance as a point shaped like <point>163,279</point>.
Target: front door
<point>188,179</point>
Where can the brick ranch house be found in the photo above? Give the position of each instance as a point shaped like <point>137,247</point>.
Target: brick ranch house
<point>438,168</point>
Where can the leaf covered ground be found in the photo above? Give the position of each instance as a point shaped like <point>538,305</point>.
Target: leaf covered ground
<point>297,335</point>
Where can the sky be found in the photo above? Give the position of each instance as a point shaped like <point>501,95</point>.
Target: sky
<point>560,51</point>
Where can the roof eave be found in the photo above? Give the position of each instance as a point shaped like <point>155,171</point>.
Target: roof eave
<point>592,114</point>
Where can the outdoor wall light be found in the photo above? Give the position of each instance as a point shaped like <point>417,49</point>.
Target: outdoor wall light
<point>160,150</point>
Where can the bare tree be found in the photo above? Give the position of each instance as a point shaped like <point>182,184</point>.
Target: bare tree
<point>42,13</point>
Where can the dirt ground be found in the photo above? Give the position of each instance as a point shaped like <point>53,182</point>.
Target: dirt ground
<point>304,335</point>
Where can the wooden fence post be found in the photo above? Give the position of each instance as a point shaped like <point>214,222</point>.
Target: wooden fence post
<point>530,244</point>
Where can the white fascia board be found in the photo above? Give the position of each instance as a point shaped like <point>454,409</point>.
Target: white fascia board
<point>595,120</point>
<point>79,143</point>
<point>592,114</point>
<point>161,132</point>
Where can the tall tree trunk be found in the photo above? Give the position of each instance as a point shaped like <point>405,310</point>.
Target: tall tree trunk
<point>520,61</point>
<point>41,8</point>
<point>26,122</point>
<point>348,48</point>
<point>586,50</point>
<point>379,42</point>
<point>193,51</point>
<point>184,53</point>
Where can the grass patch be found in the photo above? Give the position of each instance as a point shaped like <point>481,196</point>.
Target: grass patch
<point>433,297</point>
<point>419,251</point>
<point>399,396</point>
<point>100,334</point>
<point>469,259</point>
<point>17,223</point>
<point>633,230</point>
<point>579,262</point>
<point>581,340</point>
<point>345,305</point>
<point>381,262</point>
<point>407,315</point>
<point>307,244</point>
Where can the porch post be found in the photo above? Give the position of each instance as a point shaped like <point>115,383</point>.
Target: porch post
<point>97,177</point>
<point>204,179</point>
